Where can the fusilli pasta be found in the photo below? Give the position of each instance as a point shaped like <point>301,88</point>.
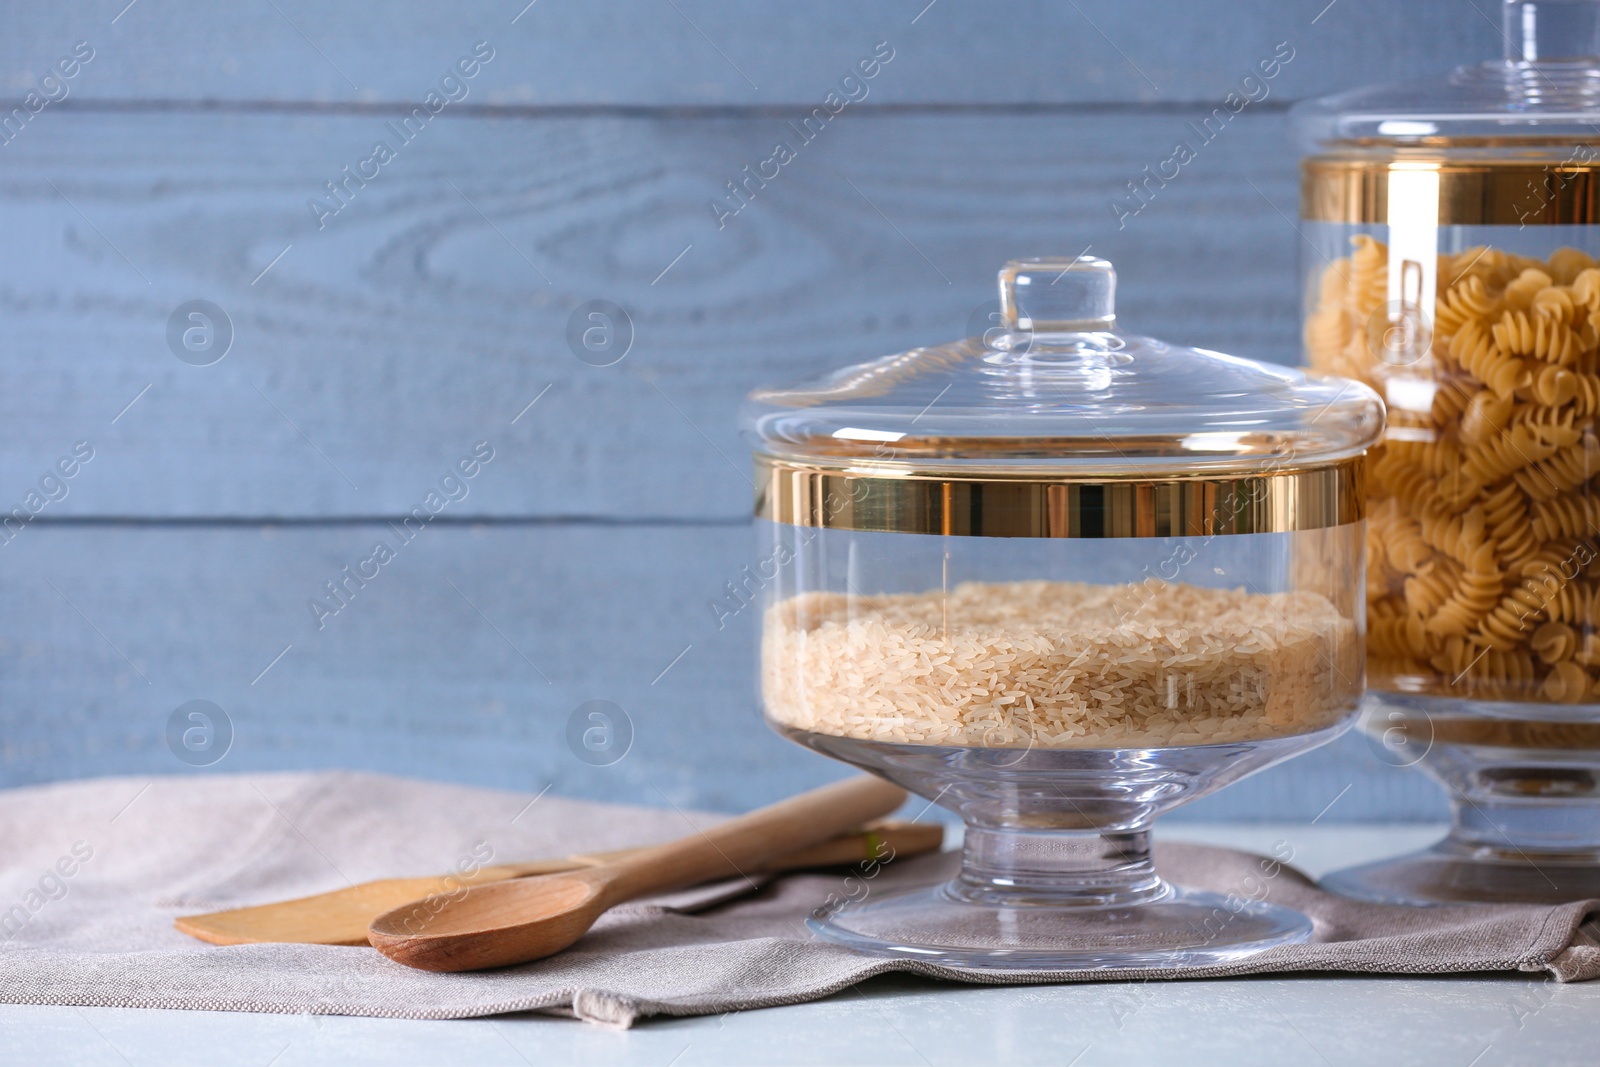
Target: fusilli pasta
<point>1484,527</point>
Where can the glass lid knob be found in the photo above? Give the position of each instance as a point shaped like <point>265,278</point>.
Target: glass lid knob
<point>1544,30</point>
<point>1058,295</point>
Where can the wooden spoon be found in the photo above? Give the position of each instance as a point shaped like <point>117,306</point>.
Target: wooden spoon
<point>341,916</point>
<point>530,918</point>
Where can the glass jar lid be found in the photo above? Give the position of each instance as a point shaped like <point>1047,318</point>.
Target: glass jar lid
<point>1544,90</point>
<point>1508,142</point>
<point>1056,423</point>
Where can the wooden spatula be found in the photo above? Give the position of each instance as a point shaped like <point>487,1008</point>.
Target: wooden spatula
<point>530,918</point>
<point>341,917</point>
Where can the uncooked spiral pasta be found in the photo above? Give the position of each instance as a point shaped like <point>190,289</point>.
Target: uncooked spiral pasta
<point>1411,486</point>
<point>1501,456</point>
<point>1402,542</point>
<point>1558,424</point>
<point>1537,336</point>
<point>1567,470</point>
<point>1461,537</point>
<point>1476,351</point>
<point>1469,604</point>
<point>1431,588</point>
<point>1557,387</point>
<point>1467,301</point>
<point>1567,516</point>
<point>1488,672</point>
<point>1521,292</point>
<point>1392,631</point>
<point>1554,642</point>
<point>1484,525</point>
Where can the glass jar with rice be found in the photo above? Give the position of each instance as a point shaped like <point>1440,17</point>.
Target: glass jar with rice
<point>1060,578</point>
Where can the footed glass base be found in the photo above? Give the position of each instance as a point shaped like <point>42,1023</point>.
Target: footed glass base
<point>1171,928</point>
<point>1524,788</point>
<point>1456,873</point>
<point>1056,871</point>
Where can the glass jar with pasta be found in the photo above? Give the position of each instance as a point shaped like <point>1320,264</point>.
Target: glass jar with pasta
<point>1453,262</point>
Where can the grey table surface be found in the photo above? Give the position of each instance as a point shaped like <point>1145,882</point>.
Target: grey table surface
<point>1451,1022</point>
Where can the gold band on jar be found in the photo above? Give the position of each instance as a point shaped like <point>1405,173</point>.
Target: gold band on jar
<point>882,500</point>
<point>1561,190</point>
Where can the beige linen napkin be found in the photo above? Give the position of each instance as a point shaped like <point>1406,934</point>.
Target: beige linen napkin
<point>93,872</point>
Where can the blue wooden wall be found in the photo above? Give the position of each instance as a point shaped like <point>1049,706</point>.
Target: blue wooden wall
<point>374,345</point>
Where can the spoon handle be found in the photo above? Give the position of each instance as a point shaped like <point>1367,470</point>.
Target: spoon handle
<point>748,842</point>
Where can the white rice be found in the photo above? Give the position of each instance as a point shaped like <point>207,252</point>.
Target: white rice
<point>1060,665</point>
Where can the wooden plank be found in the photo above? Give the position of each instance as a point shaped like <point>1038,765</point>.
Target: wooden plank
<point>720,52</point>
<point>426,315</point>
<point>463,659</point>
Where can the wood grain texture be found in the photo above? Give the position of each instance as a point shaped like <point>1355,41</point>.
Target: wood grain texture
<point>717,52</point>
<point>435,306</point>
<point>370,354</point>
<point>410,678</point>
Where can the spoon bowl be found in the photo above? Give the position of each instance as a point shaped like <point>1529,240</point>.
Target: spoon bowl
<point>492,925</point>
